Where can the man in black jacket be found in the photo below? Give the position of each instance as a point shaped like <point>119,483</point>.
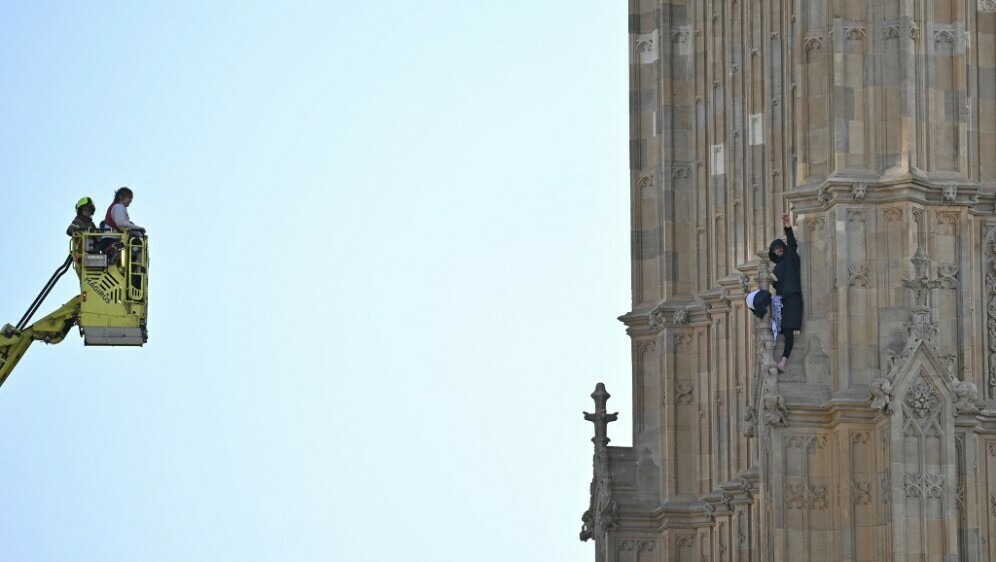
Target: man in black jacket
<point>788,285</point>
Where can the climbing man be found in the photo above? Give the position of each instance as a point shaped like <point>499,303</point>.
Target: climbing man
<point>788,286</point>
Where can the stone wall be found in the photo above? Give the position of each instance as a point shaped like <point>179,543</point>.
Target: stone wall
<point>874,122</point>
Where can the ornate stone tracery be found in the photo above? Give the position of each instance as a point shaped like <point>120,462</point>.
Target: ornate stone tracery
<point>860,493</point>
<point>921,399</point>
<point>920,283</point>
<point>923,485</point>
<point>683,393</point>
<point>798,496</point>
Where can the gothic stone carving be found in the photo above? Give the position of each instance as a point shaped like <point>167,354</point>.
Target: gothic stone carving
<point>920,283</point>
<point>921,398</point>
<point>881,395</point>
<point>919,328</point>
<point>860,493</point>
<point>683,393</point>
<point>966,394</point>
<point>680,316</point>
<point>775,410</point>
<point>947,276</point>
<point>857,275</point>
<point>602,513</point>
<point>855,34</point>
<point>744,282</point>
<point>923,485</point>
<point>989,267</point>
<point>823,195</point>
<point>656,318</point>
<point>800,496</point>
<point>750,422</point>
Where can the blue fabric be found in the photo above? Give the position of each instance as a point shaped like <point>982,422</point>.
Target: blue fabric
<point>776,315</point>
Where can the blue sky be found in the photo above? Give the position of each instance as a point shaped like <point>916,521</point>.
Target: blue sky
<point>389,243</point>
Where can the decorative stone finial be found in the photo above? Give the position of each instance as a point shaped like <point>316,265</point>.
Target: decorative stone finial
<point>601,418</point>
<point>921,283</point>
<point>602,512</point>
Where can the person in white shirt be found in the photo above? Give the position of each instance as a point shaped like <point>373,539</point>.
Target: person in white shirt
<point>117,219</point>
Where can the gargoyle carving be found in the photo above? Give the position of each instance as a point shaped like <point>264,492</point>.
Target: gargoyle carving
<point>775,412</point>
<point>965,396</point>
<point>881,395</point>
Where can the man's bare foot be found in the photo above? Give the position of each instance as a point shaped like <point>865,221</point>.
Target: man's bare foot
<point>782,363</point>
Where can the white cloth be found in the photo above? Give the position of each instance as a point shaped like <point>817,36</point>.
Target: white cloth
<point>750,298</point>
<point>119,214</point>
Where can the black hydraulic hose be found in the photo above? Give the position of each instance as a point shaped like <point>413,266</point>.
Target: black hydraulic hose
<point>44,293</point>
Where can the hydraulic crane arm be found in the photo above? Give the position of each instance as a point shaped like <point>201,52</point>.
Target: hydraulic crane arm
<point>115,313</point>
<point>51,329</point>
<point>15,340</point>
<point>44,293</point>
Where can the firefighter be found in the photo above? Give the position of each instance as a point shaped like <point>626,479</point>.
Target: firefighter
<point>85,209</point>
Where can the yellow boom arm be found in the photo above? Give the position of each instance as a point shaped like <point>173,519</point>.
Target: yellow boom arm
<point>51,329</point>
<point>110,308</point>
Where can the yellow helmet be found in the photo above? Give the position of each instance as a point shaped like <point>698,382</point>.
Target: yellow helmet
<point>85,202</point>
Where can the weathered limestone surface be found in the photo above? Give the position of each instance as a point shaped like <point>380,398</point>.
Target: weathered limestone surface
<point>874,122</point>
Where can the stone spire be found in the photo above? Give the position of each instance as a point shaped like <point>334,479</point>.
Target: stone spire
<point>601,514</point>
<point>601,418</point>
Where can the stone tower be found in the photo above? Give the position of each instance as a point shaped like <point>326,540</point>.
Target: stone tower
<point>874,122</point>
